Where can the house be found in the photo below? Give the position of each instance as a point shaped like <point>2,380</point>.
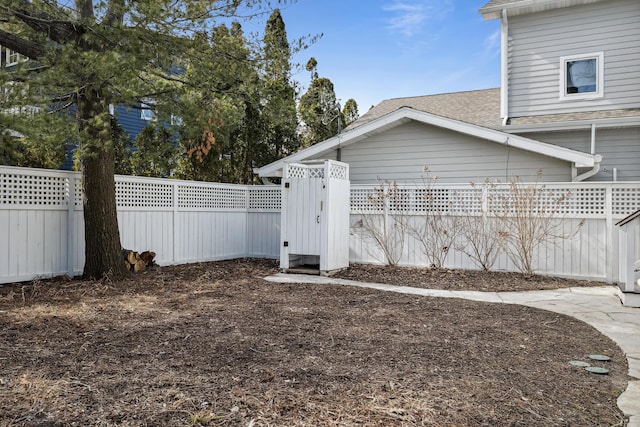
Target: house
<point>132,120</point>
<point>569,105</point>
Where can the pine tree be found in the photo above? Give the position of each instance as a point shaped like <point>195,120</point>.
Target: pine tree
<point>93,54</point>
<point>319,108</point>
<point>279,95</point>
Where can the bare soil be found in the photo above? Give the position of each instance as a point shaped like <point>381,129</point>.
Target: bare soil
<point>214,344</point>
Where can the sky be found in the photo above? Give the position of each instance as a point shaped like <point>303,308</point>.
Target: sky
<point>379,49</point>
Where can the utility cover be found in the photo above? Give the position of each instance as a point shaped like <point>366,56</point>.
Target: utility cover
<point>597,370</point>
<point>579,363</point>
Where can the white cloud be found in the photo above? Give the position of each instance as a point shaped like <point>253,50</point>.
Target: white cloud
<point>492,43</point>
<point>409,17</point>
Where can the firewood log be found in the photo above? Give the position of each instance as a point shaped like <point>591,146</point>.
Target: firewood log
<point>147,257</point>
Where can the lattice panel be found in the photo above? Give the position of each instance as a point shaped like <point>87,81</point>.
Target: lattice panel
<point>265,199</point>
<point>338,171</point>
<point>16,189</point>
<point>77,191</point>
<point>316,172</point>
<point>466,201</point>
<point>587,201</point>
<point>143,195</point>
<point>296,171</point>
<point>625,201</point>
<point>193,196</point>
<point>361,201</point>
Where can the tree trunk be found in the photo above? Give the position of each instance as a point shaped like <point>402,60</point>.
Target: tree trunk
<point>101,234</point>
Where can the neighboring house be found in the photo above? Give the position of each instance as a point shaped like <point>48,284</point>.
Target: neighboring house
<point>132,120</point>
<point>569,105</point>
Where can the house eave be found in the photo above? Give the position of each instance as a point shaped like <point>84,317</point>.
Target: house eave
<point>520,7</point>
<point>404,114</point>
<point>621,122</point>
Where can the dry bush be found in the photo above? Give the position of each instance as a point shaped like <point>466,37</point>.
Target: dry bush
<point>481,230</point>
<point>385,224</point>
<point>435,226</point>
<point>530,215</point>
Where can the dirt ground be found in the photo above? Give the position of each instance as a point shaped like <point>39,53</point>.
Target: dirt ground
<point>214,344</point>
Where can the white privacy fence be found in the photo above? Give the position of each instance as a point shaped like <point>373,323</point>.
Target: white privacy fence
<point>42,227</point>
<point>586,211</point>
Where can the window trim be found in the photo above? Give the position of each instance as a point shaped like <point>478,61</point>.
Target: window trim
<point>599,93</point>
<point>8,53</point>
<point>146,112</point>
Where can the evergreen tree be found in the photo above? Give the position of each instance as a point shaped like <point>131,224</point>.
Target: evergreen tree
<point>350,112</point>
<point>279,96</point>
<point>92,54</point>
<point>319,108</point>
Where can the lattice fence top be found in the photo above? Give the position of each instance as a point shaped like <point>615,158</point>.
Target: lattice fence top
<point>317,170</point>
<point>572,200</point>
<point>338,171</point>
<point>625,201</point>
<point>211,197</point>
<point>144,194</point>
<point>33,190</point>
<point>265,199</point>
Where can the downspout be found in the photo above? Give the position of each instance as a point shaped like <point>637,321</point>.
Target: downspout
<point>591,172</point>
<point>598,158</point>
<point>504,64</point>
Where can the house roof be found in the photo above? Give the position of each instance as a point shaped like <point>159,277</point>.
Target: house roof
<point>378,122</point>
<point>493,9</point>
<point>482,108</point>
<point>478,107</point>
<point>629,113</point>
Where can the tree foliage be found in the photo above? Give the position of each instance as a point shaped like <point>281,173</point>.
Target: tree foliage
<point>319,108</point>
<point>350,112</point>
<point>89,54</point>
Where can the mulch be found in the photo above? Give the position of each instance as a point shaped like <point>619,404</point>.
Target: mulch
<point>214,344</point>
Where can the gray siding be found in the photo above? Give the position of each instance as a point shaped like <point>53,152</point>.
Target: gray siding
<point>620,149</point>
<point>402,153</point>
<point>538,41</point>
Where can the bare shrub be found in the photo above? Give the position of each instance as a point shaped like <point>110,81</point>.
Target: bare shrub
<point>530,215</point>
<point>435,225</point>
<point>385,220</point>
<point>481,230</point>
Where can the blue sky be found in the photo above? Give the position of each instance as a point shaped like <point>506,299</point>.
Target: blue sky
<point>379,49</point>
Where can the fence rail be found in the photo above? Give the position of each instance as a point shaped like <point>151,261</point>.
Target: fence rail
<point>42,226</point>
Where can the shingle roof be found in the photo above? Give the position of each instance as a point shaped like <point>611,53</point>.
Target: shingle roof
<point>571,117</point>
<point>478,107</point>
<point>482,108</point>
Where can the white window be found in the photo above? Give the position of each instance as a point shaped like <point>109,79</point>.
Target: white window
<point>146,113</point>
<point>581,76</point>
<point>176,120</point>
<point>12,57</point>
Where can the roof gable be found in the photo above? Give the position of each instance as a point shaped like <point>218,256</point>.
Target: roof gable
<point>395,118</point>
<point>478,107</point>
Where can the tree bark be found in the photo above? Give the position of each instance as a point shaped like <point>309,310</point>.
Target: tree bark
<point>101,233</point>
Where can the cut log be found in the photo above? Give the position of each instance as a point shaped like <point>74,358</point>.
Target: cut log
<point>139,266</point>
<point>135,261</point>
<point>147,257</point>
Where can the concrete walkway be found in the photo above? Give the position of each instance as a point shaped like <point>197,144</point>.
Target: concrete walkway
<point>600,307</point>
